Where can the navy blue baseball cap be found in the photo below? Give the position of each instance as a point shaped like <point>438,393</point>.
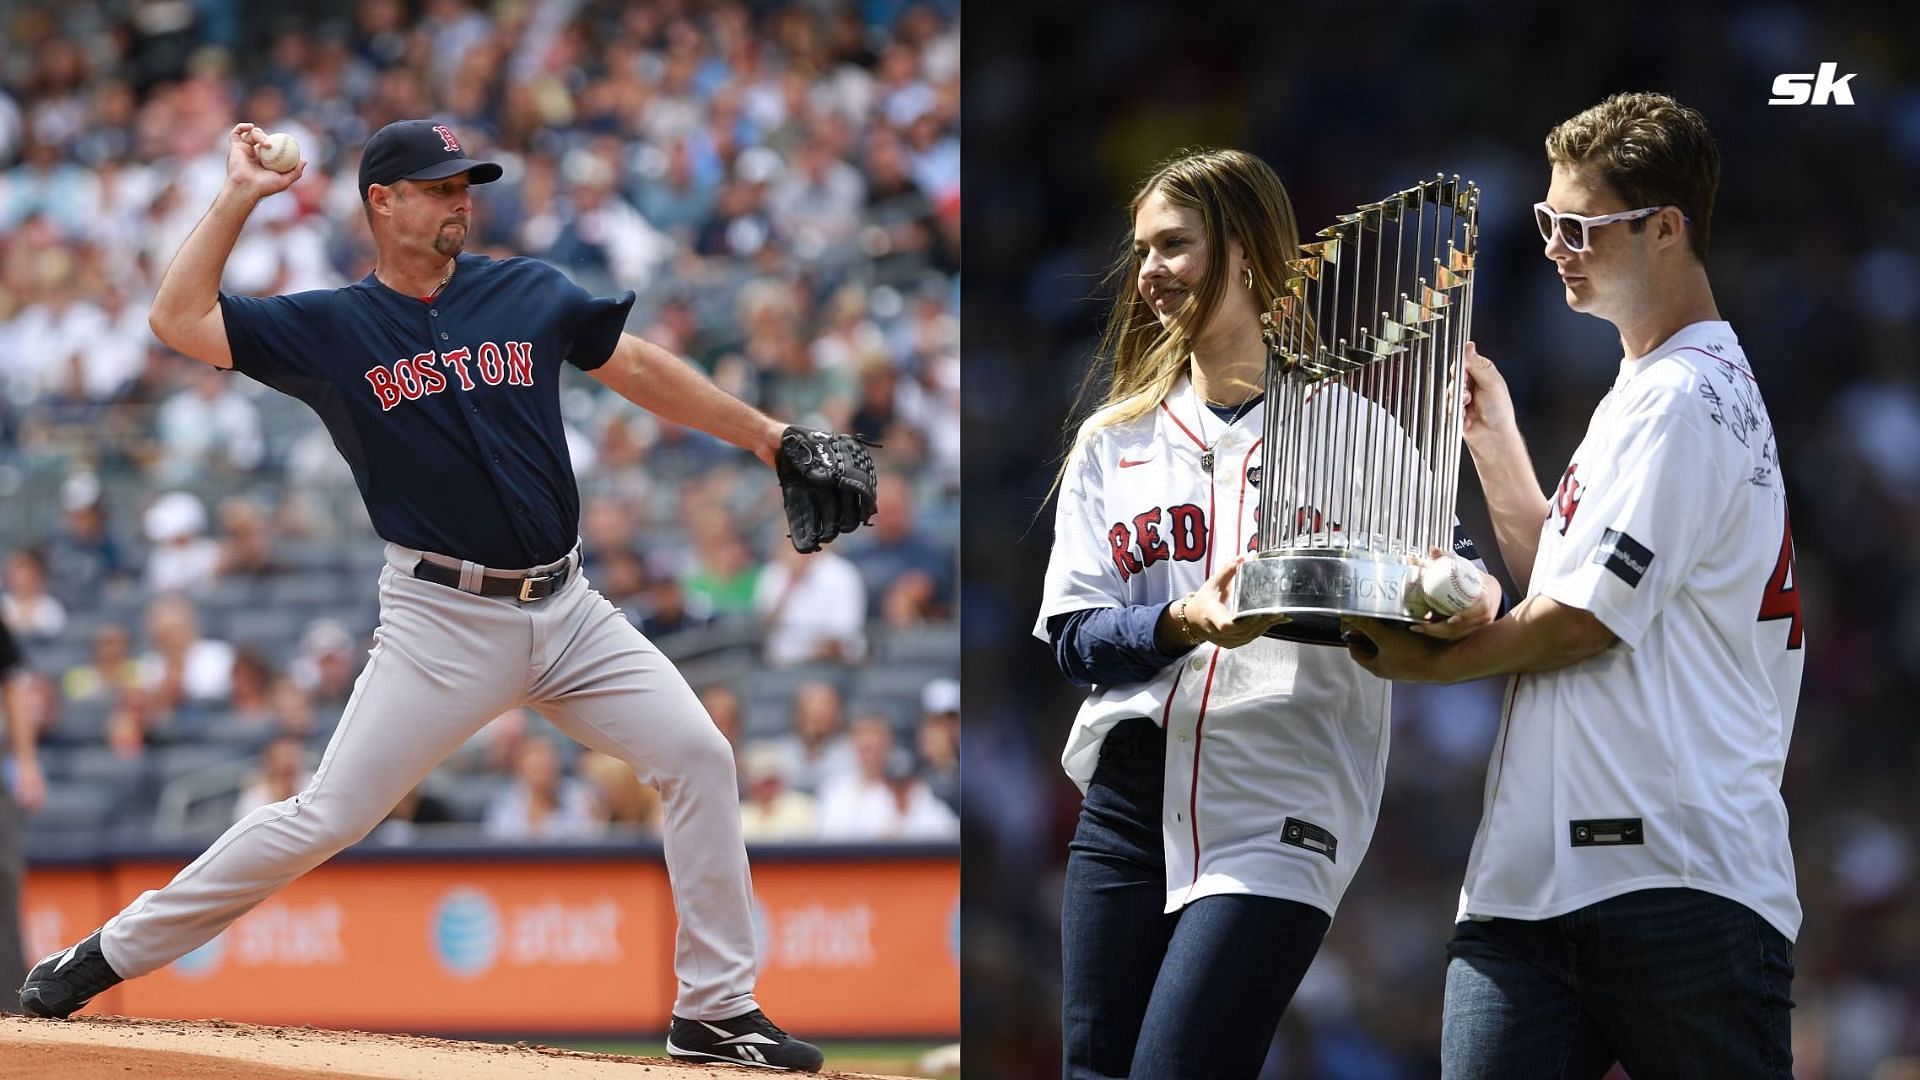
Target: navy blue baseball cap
<point>418,150</point>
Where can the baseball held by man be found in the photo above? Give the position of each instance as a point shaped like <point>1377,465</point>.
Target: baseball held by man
<point>437,376</point>
<point>1630,894</point>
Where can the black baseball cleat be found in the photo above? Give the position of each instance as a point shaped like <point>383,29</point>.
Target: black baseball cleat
<point>58,986</point>
<point>750,1039</point>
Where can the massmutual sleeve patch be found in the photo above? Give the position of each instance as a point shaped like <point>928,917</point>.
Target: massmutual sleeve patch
<point>1463,544</point>
<point>1626,557</point>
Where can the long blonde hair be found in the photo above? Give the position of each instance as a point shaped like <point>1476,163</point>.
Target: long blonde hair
<point>1238,198</point>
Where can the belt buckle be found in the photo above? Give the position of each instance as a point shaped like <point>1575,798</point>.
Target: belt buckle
<point>526,587</point>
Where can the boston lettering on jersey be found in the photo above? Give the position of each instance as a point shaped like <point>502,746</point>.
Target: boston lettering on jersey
<point>414,378</point>
<point>448,410</point>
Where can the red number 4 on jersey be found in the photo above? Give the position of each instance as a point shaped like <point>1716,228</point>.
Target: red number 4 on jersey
<point>1782,598</point>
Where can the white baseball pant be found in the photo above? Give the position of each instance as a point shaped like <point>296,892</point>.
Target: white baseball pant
<point>444,663</point>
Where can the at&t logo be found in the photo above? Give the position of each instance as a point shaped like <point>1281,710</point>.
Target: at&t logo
<point>465,932</point>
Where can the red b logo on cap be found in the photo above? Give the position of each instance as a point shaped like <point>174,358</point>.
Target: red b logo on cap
<point>446,136</point>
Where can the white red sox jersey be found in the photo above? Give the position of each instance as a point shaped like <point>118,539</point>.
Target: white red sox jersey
<point>1276,752</point>
<point>1657,763</point>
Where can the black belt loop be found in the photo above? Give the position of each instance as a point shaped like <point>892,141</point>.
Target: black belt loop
<point>525,589</point>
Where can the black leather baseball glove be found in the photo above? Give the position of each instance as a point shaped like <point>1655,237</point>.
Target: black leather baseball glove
<point>827,483</point>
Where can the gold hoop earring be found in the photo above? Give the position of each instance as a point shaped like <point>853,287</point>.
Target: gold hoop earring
<point>1249,278</point>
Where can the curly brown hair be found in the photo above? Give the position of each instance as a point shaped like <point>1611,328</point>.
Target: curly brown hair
<point>1650,149</point>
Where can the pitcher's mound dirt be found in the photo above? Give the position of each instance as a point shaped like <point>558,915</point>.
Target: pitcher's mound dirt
<point>108,1047</point>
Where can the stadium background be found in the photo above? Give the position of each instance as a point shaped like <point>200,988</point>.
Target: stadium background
<point>1813,260</point>
<point>192,574</point>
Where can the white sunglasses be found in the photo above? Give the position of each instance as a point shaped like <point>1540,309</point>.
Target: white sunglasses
<point>1574,227</point>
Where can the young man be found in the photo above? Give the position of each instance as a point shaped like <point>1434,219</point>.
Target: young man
<point>1630,894</point>
<point>437,376</point>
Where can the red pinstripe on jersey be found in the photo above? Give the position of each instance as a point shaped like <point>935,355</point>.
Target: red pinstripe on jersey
<point>1200,722</point>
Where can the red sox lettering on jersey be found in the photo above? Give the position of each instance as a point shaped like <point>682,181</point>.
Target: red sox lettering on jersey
<point>415,377</point>
<point>1138,542</point>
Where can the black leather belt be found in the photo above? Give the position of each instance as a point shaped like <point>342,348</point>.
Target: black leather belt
<point>523,589</point>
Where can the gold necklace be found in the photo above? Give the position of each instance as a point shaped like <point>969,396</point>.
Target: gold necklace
<point>443,281</point>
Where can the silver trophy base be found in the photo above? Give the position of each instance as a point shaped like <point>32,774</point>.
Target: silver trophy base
<point>1318,587</point>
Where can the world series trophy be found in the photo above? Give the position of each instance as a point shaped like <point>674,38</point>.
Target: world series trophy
<point>1366,357</point>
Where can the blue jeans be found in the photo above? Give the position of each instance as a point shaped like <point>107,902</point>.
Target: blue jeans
<point>1197,993</point>
<point>1668,982</point>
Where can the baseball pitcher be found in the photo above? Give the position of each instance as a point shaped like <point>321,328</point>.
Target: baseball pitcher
<point>437,376</point>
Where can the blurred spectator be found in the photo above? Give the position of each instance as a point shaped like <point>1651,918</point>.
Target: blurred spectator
<point>939,740</point>
<point>725,579</point>
<point>816,203</point>
<point>183,558</point>
<point>909,576</point>
<point>182,666</point>
<point>542,803</point>
<point>85,555</point>
<point>251,699</point>
<point>208,427</point>
<point>126,733</point>
<point>664,609</point>
<point>606,529</point>
<point>771,810</point>
<point>621,798</point>
<point>883,799</point>
<point>674,201</point>
<point>110,673</point>
<point>876,410</point>
<point>604,232</point>
<point>621,577</point>
<point>811,607</point>
<point>281,775</point>
<point>415,808</point>
<point>900,233</point>
<point>327,663</point>
<point>246,543</point>
<point>26,607</point>
<point>816,750</point>
<point>723,705</point>
<point>292,707</point>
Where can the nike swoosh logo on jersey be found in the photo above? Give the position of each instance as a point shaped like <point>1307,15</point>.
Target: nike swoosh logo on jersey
<point>1125,464</point>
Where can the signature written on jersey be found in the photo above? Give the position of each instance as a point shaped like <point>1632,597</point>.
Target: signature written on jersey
<point>415,377</point>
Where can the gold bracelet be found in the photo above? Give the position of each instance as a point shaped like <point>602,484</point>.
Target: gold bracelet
<point>1186,630</point>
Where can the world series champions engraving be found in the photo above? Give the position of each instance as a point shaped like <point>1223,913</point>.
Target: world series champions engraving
<point>1360,463</point>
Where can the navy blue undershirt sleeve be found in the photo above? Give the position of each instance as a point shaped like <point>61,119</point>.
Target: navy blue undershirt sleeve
<point>1109,646</point>
<point>1463,547</point>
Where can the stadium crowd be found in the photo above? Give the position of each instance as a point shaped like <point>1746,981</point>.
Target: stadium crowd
<point>1814,263</point>
<point>188,564</point>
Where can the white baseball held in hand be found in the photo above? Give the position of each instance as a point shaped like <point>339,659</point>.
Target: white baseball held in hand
<point>1451,585</point>
<point>280,152</point>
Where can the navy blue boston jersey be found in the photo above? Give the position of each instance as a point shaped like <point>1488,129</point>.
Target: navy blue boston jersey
<point>447,410</point>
